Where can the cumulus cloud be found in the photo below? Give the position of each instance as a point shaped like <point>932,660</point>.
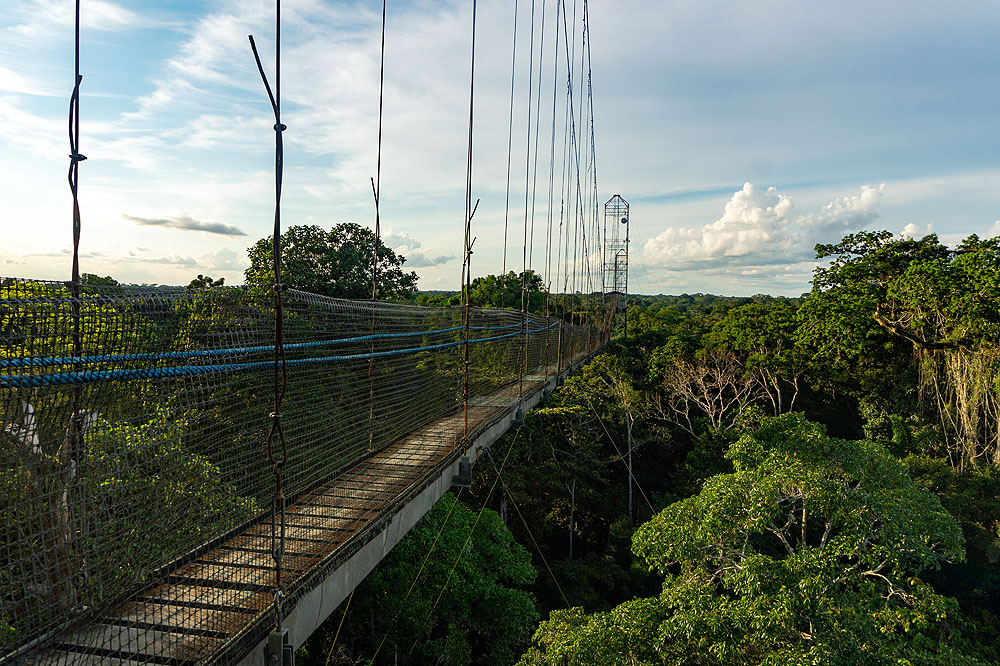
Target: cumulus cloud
<point>416,255</point>
<point>761,228</point>
<point>912,230</point>
<point>994,230</point>
<point>185,222</point>
<point>223,259</point>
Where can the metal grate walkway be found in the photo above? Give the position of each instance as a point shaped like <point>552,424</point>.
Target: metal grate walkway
<point>214,606</point>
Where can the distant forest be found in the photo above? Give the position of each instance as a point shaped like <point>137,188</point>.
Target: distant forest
<point>814,481</point>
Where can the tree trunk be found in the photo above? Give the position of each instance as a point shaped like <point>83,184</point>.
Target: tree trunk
<point>572,515</point>
<point>503,504</point>
<point>631,513</point>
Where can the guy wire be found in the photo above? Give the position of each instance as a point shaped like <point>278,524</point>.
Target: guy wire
<point>280,365</point>
<point>423,563</point>
<point>468,538</point>
<point>376,191</point>
<point>469,212</point>
<point>510,142</point>
<point>340,625</point>
<point>524,246</point>
<point>525,523</point>
<point>75,453</point>
<point>621,456</point>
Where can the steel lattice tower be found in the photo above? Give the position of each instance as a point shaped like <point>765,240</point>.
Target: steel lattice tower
<point>616,240</point>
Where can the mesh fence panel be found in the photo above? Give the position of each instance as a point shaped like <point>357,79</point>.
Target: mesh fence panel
<point>136,496</point>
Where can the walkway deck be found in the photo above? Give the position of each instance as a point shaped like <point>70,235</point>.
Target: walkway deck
<point>217,605</point>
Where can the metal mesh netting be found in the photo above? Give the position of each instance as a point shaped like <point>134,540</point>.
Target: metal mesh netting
<point>136,496</point>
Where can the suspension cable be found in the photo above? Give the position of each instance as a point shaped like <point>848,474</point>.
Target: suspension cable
<point>552,165</point>
<point>524,246</point>
<point>579,232</point>
<point>75,454</point>
<point>534,168</point>
<point>74,143</point>
<point>469,240</point>
<point>538,111</point>
<point>525,522</point>
<point>510,144</point>
<point>593,146</point>
<point>280,365</point>
<point>376,192</point>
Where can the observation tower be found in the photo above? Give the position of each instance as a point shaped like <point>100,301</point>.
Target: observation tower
<point>616,240</point>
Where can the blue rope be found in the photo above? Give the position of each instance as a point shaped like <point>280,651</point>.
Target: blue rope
<point>208,353</point>
<point>92,376</point>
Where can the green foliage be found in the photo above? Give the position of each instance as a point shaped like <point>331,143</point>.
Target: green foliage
<point>206,282</point>
<point>432,298</point>
<point>838,319</point>
<point>146,500</point>
<point>335,263</point>
<point>973,498</point>
<point>148,468</point>
<point>763,337</point>
<point>886,304</point>
<point>704,459</point>
<point>495,291</point>
<point>483,615</point>
<point>91,280</point>
<point>807,553</point>
<point>45,328</point>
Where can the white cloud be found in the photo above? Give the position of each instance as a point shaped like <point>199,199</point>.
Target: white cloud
<point>193,131</point>
<point>994,230</point>
<point>43,16</point>
<point>40,137</point>
<point>760,228</point>
<point>912,230</point>
<point>174,260</point>
<point>416,255</point>
<point>223,259</point>
<point>185,222</point>
<point>11,81</point>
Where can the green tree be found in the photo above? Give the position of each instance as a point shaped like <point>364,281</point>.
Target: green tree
<point>478,613</point>
<point>764,338</point>
<point>92,280</point>
<point>494,291</point>
<point>206,282</point>
<point>335,263</point>
<point>887,303</point>
<point>808,553</point>
<point>608,387</point>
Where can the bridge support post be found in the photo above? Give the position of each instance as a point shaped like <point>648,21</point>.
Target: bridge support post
<point>279,651</point>
<point>464,477</point>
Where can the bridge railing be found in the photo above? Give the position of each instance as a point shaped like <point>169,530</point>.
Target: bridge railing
<point>132,421</point>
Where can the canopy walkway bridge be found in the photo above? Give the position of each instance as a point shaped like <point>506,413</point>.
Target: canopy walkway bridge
<point>140,517</point>
<point>198,476</point>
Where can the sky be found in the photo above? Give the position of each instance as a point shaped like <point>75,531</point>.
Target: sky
<point>741,134</point>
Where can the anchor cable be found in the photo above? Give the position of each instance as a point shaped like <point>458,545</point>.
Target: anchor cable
<point>75,454</point>
<point>280,365</point>
<point>376,192</point>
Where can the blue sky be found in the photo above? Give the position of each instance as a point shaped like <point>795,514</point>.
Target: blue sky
<point>741,133</point>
